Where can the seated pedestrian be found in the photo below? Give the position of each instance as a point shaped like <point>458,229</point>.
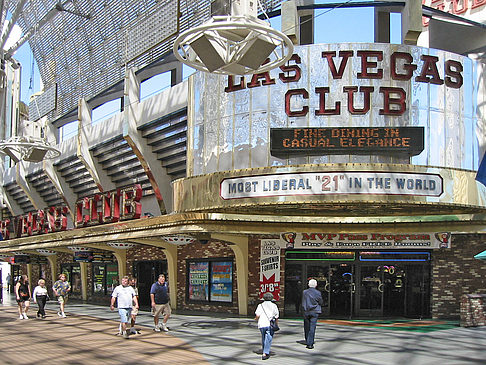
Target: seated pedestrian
<point>125,297</point>
<point>40,297</point>
<point>263,314</point>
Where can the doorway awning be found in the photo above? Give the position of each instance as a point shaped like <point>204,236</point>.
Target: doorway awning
<point>481,256</point>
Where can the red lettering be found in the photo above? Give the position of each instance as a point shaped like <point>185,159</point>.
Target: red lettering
<point>4,229</point>
<point>322,91</point>
<point>366,64</point>
<point>234,87</point>
<point>342,66</point>
<point>291,68</point>
<point>477,3</point>
<point>264,75</point>
<point>453,71</point>
<point>409,67</point>
<point>367,90</point>
<point>388,100</point>
<point>457,9</point>
<point>430,73</point>
<point>299,113</point>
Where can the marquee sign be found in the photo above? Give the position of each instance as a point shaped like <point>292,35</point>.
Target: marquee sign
<point>346,140</point>
<point>332,182</point>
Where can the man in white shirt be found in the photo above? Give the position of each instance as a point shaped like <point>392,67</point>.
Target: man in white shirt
<point>126,299</point>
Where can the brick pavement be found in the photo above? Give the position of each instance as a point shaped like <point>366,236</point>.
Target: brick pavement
<point>85,340</point>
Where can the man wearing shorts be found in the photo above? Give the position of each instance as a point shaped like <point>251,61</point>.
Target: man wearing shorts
<point>61,290</point>
<point>133,284</point>
<point>126,299</point>
<point>159,296</point>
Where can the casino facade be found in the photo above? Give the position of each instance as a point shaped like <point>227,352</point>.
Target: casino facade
<point>353,164</point>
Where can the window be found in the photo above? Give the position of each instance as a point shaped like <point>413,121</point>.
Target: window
<point>73,275</point>
<point>210,280</point>
<point>105,278</point>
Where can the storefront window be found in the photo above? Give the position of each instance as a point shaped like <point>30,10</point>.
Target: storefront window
<point>111,278</point>
<point>210,281</point>
<point>73,275</point>
<point>105,278</point>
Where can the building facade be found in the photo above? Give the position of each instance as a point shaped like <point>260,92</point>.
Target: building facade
<point>353,164</point>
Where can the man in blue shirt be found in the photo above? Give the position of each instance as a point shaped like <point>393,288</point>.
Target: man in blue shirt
<point>159,296</point>
<point>311,305</point>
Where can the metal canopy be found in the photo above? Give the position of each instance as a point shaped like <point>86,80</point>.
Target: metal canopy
<point>84,46</point>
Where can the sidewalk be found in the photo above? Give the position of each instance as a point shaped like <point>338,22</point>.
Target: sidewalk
<point>88,333</point>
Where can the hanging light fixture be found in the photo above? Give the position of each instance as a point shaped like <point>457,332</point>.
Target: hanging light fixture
<point>121,244</point>
<point>79,248</point>
<point>179,239</point>
<point>233,42</point>
<point>46,252</point>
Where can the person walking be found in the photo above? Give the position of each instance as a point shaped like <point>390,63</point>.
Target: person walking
<point>263,314</point>
<point>61,289</point>
<point>311,306</point>
<point>133,319</point>
<point>9,282</point>
<point>125,297</point>
<point>40,296</point>
<point>22,295</point>
<point>159,297</point>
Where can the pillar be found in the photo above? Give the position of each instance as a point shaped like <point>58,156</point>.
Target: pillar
<point>239,245</point>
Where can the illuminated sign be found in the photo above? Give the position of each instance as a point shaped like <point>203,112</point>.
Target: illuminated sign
<point>332,182</point>
<point>107,207</point>
<point>346,140</point>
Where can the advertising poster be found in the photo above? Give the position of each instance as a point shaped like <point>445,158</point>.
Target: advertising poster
<point>222,281</point>
<point>270,268</point>
<point>199,280</point>
<point>99,278</point>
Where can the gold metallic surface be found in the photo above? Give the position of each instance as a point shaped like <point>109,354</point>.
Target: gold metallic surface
<point>462,194</point>
<point>240,224</point>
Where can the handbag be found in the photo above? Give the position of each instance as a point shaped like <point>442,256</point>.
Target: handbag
<point>273,322</point>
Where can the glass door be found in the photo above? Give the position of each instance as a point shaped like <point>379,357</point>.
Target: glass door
<point>321,274</point>
<point>341,290</point>
<point>293,289</point>
<point>370,292</point>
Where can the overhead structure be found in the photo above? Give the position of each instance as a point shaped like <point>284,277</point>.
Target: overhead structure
<point>83,47</point>
<point>233,42</point>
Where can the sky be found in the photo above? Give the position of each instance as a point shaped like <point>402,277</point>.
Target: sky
<point>331,26</point>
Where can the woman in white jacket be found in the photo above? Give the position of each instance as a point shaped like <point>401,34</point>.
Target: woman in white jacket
<point>263,314</point>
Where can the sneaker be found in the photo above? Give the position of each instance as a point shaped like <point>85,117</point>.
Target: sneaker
<point>59,314</point>
<point>164,327</point>
<point>25,316</point>
<point>63,315</point>
<point>133,331</point>
<point>125,335</point>
<point>157,329</point>
<point>21,317</point>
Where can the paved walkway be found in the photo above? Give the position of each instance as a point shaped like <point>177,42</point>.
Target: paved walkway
<point>88,334</point>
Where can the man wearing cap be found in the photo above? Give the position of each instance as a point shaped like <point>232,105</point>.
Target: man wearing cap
<point>311,305</point>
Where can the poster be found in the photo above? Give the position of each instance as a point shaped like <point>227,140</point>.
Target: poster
<point>270,268</point>
<point>198,281</point>
<point>222,281</point>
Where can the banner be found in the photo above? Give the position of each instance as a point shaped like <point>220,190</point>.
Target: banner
<point>270,268</point>
<point>332,182</point>
<point>378,240</point>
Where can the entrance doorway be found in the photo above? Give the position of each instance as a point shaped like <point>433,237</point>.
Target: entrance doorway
<point>147,273</point>
<point>362,284</point>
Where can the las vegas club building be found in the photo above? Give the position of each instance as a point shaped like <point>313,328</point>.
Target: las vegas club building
<point>352,163</point>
